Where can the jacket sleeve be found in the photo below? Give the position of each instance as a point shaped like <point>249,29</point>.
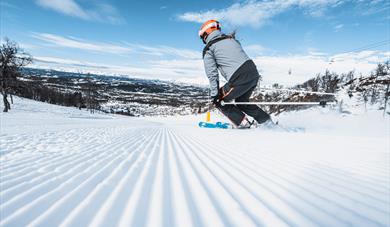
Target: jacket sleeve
<point>211,70</point>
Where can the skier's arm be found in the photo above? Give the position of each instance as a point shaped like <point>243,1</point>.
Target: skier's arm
<point>211,70</point>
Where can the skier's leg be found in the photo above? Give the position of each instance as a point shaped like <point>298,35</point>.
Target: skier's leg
<point>233,113</point>
<point>252,110</point>
<point>240,87</point>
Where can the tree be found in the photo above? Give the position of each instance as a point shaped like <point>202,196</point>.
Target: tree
<point>91,93</point>
<point>12,60</point>
<point>382,70</point>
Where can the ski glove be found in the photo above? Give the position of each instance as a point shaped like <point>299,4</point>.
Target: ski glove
<point>215,99</point>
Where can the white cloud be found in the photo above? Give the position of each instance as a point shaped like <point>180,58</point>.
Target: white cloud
<point>166,50</point>
<point>338,27</point>
<point>100,12</point>
<point>71,42</point>
<point>65,62</point>
<point>68,7</point>
<point>184,68</point>
<point>119,49</point>
<point>254,49</point>
<point>256,13</point>
<point>372,7</point>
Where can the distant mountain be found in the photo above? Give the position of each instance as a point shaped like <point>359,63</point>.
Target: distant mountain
<point>129,96</point>
<point>141,97</point>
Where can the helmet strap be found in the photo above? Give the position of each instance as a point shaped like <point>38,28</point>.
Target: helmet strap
<point>204,37</point>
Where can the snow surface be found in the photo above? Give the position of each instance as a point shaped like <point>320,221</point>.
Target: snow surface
<point>65,167</point>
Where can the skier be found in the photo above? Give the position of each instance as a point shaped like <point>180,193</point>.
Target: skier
<point>224,53</point>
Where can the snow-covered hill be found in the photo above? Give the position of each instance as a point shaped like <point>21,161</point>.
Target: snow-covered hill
<point>63,166</point>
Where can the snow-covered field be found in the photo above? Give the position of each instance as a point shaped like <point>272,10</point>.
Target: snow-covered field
<point>62,166</point>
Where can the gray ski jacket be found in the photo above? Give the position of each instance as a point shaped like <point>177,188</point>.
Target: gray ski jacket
<point>225,56</point>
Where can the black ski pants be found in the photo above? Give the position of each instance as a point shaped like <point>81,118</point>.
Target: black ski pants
<point>240,88</point>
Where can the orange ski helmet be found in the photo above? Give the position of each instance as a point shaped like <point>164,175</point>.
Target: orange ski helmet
<point>207,28</point>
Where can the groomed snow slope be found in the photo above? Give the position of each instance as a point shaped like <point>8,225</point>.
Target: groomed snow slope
<point>62,166</point>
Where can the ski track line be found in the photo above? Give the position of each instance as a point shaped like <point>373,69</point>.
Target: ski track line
<point>57,190</point>
<point>50,166</point>
<point>356,145</point>
<point>381,184</point>
<point>221,162</point>
<point>319,182</point>
<point>219,194</point>
<point>331,180</point>
<point>331,175</point>
<point>60,211</point>
<point>198,197</point>
<point>42,163</point>
<point>168,200</point>
<point>77,166</point>
<point>135,211</point>
<point>214,192</point>
<point>381,214</point>
<point>374,175</point>
<point>359,215</point>
<point>187,192</point>
<point>273,203</point>
<point>343,176</point>
<point>86,156</point>
<point>255,212</point>
<point>48,156</point>
<point>370,181</point>
<point>24,141</point>
<point>43,194</point>
<point>310,202</point>
<point>160,212</point>
<point>149,207</point>
<point>344,193</point>
<point>183,202</point>
<point>70,143</point>
<point>114,208</point>
<point>236,203</point>
<point>60,140</point>
<point>88,209</point>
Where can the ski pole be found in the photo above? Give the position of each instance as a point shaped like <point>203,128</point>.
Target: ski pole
<point>298,91</point>
<point>321,103</point>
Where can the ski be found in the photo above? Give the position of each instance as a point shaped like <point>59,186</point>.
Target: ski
<point>221,125</point>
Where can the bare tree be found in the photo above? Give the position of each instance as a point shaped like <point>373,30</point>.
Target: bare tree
<point>387,94</point>
<point>12,59</point>
<point>365,95</point>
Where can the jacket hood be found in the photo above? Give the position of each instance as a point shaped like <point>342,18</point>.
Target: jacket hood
<point>213,35</point>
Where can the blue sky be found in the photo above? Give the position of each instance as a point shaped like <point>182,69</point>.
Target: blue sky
<point>158,39</point>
